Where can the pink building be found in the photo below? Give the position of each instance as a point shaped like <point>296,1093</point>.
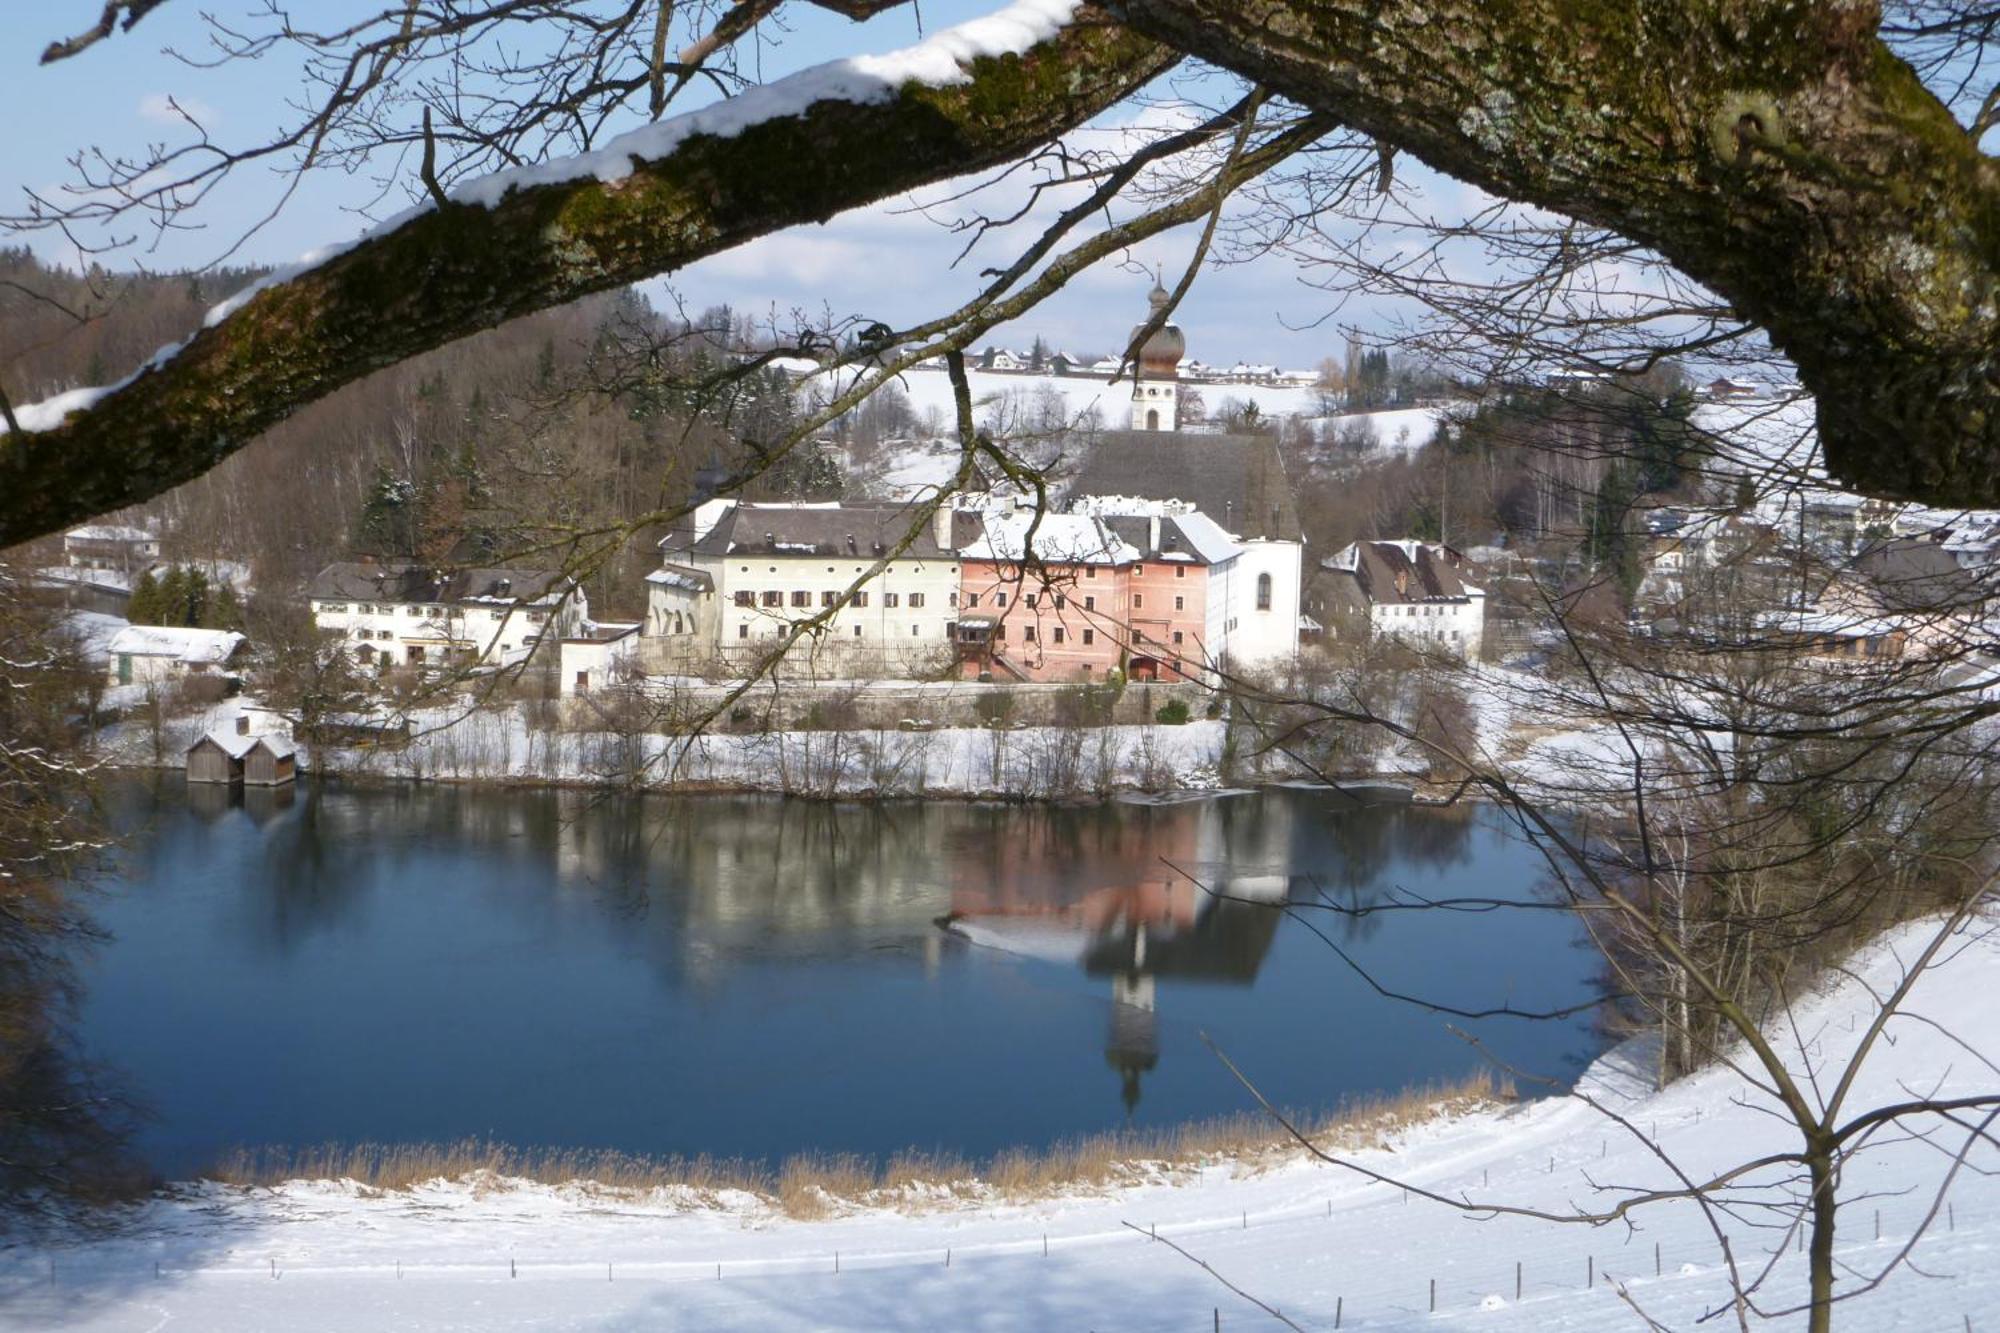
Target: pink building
<point>1095,595</point>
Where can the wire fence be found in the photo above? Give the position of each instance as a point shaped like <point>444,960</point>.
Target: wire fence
<point>1552,1261</point>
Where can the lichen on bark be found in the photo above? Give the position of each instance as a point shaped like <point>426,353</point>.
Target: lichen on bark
<point>458,269</point>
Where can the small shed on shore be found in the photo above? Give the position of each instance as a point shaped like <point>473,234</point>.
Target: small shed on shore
<point>219,756</point>
<point>271,761</point>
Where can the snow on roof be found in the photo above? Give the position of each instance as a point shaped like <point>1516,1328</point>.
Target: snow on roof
<point>943,59</point>
<point>1206,537</point>
<point>195,646</point>
<point>110,532</point>
<point>231,744</point>
<point>680,576</point>
<point>1063,538</point>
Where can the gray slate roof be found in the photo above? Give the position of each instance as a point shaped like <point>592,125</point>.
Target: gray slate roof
<point>863,530</point>
<point>1237,480</point>
<point>407,581</point>
<point>1383,574</point>
<point>1913,575</point>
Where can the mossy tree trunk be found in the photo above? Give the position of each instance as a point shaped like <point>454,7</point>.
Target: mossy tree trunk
<point>462,268</point>
<point>1774,150</point>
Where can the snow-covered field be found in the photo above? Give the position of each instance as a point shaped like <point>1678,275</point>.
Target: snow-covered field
<point>1322,1245</point>
<point>1031,403</point>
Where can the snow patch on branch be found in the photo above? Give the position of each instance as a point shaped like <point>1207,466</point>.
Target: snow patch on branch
<point>942,60</point>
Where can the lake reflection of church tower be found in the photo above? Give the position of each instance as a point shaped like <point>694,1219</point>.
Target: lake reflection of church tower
<point>1155,383</point>
<point>1133,1045</point>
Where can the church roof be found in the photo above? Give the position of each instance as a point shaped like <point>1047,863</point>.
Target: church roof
<point>1237,480</point>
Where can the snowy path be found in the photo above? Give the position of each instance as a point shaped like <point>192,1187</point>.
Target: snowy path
<point>1317,1243</point>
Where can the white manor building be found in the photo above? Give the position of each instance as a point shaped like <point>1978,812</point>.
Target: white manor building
<point>401,613</point>
<point>1420,592</point>
<point>741,575</point>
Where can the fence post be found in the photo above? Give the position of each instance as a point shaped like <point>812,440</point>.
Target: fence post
<point>1434,1295</point>
<point>947,1256</point>
<point>1517,1282</point>
<point>1338,1303</point>
<point>1656,1259</point>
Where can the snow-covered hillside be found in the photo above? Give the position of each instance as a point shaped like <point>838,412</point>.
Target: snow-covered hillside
<point>1323,1246</point>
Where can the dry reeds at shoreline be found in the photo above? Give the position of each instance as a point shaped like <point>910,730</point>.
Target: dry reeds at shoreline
<point>814,1184</point>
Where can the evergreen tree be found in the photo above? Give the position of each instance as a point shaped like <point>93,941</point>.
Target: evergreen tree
<point>144,609</point>
<point>1661,440</point>
<point>173,598</point>
<point>195,610</point>
<point>1613,548</point>
<point>224,611</point>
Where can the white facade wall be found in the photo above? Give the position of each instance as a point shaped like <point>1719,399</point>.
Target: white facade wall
<point>1262,635</point>
<point>494,632</point>
<point>675,611</point>
<point>145,668</point>
<point>1156,405</point>
<point>1445,626</point>
<point>909,613</point>
<point>589,664</point>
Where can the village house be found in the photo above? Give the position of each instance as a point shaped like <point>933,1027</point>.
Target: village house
<point>158,654</point>
<point>401,613</point>
<point>115,547</point>
<point>1086,596</point>
<point>601,655</point>
<point>739,576</point>
<point>1896,597</point>
<point>1423,593</point>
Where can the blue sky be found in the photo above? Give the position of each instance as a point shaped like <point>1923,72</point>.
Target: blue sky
<point>883,262</point>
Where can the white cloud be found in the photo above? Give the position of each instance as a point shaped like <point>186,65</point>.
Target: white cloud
<point>175,109</point>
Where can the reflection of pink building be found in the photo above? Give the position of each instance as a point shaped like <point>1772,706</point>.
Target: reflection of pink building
<point>1094,595</point>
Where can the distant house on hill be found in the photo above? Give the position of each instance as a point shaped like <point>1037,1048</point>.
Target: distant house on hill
<point>154,654</point>
<point>1424,593</point>
<point>399,612</point>
<point>111,546</point>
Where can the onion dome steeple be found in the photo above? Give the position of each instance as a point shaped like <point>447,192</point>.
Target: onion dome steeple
<point>1155,404</point>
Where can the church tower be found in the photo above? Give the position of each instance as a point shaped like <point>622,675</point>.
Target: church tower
<point>1155,397</point>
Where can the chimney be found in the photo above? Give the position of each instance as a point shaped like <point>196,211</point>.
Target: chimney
<point>243,724</point>
<point>941,524</point>
<point>1152,532</point>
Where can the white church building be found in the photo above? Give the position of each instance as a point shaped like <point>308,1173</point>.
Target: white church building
<point>1155,469</point>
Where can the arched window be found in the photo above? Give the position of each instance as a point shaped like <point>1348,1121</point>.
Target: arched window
<point>1152,419</point>
<point>1263,592</point>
